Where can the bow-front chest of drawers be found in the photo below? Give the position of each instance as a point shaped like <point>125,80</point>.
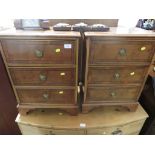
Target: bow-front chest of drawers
<point>43,68</point>
<point>117,65</point>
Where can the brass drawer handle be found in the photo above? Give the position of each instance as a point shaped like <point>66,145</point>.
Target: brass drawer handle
<point>113,94</point>
<point>57,50</point>
<point>116,75</point>
<point>117,132</point>
<point>132,73</point>
<point>154,69</point>
<point>143,48</point>
<point>62,73</point>
<point>122,52</point>
<point>38,53</point>
<point>42,77</point>
<point>45,96</point>
<point>61,92</point>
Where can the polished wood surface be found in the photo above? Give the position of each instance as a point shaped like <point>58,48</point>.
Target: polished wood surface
<point>112,74</point>
<point>117,65</point>
<point>35,96</point>
<point>105,51</point>
<point>105,120</point>
<point>43,68</point>
<point>30,34</point>
<point>122,31</point>
<point>25,51</point>
<point>112,93</point>
<point>42,76</point>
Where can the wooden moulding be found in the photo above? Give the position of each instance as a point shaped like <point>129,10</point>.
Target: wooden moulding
<point>87,107</point>
<point>26,109</point>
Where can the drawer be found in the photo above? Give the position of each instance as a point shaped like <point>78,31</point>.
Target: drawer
<point>102,51</point>
<point>63,96</point>
<point>42,76</point>
<point>99,75</point>
<point>152,71</point>
<point>112,93</point>
<point>125,129</point>
<point>32,130</point>
<point>39,51</point>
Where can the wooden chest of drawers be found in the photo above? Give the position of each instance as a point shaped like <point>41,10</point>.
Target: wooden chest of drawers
<point>102,121</point>
<point>117,65</point>
<point>43,68</point>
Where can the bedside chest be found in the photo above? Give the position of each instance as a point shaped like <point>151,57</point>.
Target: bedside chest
<point>117,65</point>
<point>43,68</point>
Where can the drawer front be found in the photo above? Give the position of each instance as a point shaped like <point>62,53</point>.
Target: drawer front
<point>42,76</point>
<point>39,52</point>
<point>130,128</point>
<point>152,71</point>
<point>116,75</point>
<point>46,96</point>
<point>101,51</point>
<point>32,130</point>
<point>112,93</point>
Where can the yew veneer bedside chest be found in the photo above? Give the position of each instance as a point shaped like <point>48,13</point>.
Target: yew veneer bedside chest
<point>43,68</point>
<point>117,65</point>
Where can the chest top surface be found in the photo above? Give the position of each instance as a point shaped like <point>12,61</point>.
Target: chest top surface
<point>38,33</point>
<point>122,31</point>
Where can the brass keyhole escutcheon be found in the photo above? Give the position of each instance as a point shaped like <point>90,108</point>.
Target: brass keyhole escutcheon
<point>45,96</point>
<point>122,52</point>
<point>143,48</point>
<point>57,50</point>
<point>116,76</point>
<point>42,77</point>
<point>113,94</point>
<point>39,54</point>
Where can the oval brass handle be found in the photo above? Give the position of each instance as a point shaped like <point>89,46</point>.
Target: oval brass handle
<point>116,75</point>
<point>154,69</point>
<point>113,94</point>
<point>122,52</point>
<point>38,53</point>
<point>57,50</point>
<point>117,132</point>
<point>45,96</point>
<point>143,48</point>
<point>42,77</point>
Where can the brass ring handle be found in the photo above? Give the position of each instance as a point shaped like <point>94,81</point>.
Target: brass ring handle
<point>122,52</point>
<point>45,96</point>
<point>116,75</point>
<point>39,53</point>
<point>42,77</point>
<point>113,94</point>
<point>117,132</point>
